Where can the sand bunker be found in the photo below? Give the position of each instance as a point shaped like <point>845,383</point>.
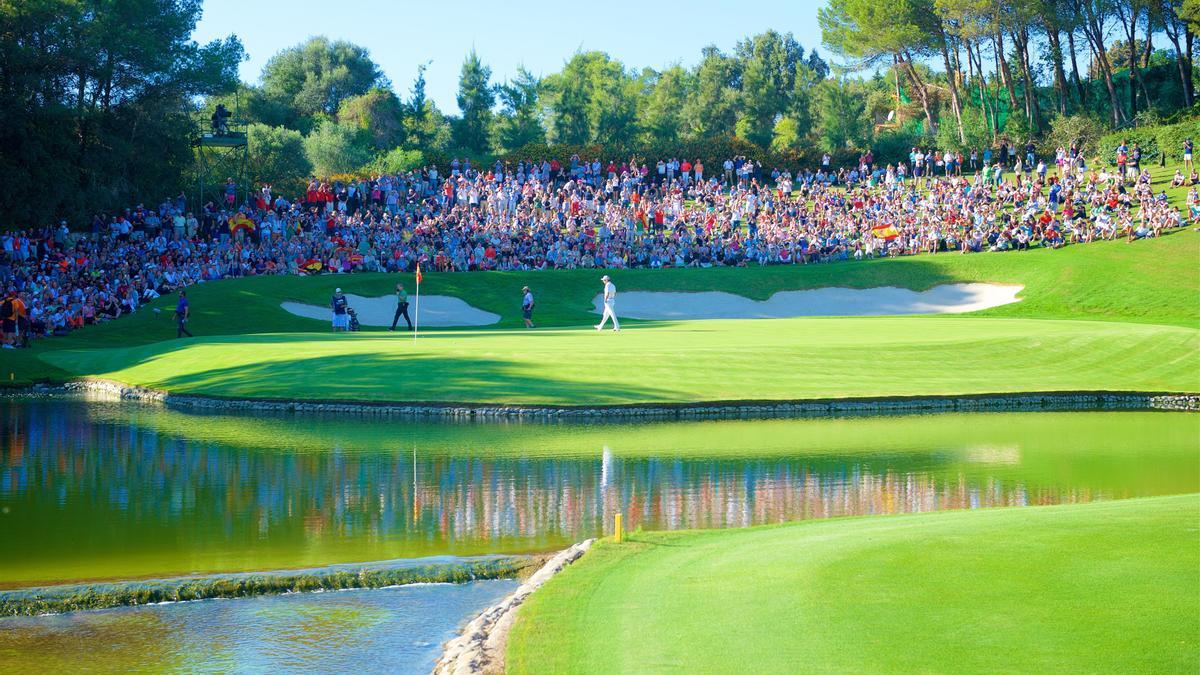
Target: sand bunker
<point>883,301</point>
<point>436,310</point>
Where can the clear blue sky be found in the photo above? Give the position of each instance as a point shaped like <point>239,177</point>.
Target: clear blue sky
<point>540,34</point>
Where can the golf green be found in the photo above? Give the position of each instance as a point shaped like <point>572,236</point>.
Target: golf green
<point>668,362</point>
<point>1102,587</point>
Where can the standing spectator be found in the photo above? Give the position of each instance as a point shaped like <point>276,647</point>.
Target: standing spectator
<point>339,304</point>
<point>182,313</point>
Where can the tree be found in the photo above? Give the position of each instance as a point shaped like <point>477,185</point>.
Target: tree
<point>277,157</point>
<point>873,32</point>
<point>775,82</point>
<point>713,110</point>
<point>476,97</point>
<point>841,111</point>
<point>1095,15</point>
<point>785,135</point>
<point>1181,35</point>
<point>662,118</point>
<point>315,77</point>
<point>336,148</point>
<point>519,122</point>
<point>377,112</point>
<point>96,99</point>
<point>593,99</point>
<point>425,126</point>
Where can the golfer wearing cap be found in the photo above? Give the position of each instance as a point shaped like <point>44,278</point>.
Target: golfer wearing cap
<point>339,304</point>
<point>610,296</point>
<point>527,306</point>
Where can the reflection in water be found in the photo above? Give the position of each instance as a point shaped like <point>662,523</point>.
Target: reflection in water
<point>100,495</point>
<point>398,629</point>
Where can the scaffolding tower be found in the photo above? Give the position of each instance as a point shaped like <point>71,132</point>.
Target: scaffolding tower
<point>222,154</point>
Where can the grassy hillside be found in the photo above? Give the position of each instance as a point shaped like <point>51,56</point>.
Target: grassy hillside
<point>1149,282</point>
<point>1102,587</point>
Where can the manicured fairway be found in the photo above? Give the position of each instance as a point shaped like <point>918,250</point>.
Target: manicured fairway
<point>1102,587</point>
<point>665,362</point>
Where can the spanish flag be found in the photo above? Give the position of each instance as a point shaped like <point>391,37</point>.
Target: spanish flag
<point>886,231</point>
<point>240,222</point>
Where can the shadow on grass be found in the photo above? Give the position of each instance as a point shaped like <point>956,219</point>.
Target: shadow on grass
<point>402,378</point>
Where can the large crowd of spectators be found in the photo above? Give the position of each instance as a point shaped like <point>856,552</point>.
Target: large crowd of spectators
<point>581,214</point>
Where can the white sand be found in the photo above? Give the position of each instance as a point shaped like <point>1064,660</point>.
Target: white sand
<point>883,301</point>
<point>436,311</point>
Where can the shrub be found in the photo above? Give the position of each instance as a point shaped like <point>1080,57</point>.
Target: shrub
<point>397,160</point>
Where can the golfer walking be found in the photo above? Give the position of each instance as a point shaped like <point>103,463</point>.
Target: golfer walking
<point>527,307</point>
<point>610,297</point>
<point>401,307</point>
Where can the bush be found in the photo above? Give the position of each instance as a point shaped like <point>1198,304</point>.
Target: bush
<point>1170,138</point>
<point>1083,130</point>
<point>337,148</point>
<point>397,160</point>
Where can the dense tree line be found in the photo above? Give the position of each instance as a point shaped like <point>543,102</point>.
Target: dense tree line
<point>107,122</point>
<point>96,99</point>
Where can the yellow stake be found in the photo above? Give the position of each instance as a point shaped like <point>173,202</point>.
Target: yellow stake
<point>617,531</point>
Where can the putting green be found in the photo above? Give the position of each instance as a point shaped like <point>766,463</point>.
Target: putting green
<point>668,362</point>
<point>1109,586</point>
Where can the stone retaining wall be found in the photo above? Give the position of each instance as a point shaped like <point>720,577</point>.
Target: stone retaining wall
<point>1034,401</point>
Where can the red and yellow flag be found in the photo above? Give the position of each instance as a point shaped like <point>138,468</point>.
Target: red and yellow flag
<point>886,231</point>
<point>418,274</point>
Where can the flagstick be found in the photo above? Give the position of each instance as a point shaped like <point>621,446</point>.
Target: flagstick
<point>417,306</point>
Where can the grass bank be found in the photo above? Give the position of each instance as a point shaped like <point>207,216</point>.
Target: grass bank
<point>75,597</point>
<point>1098,587</point>
<point>698,361</point>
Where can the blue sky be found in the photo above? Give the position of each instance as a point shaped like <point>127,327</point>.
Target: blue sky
<point>540,34</point>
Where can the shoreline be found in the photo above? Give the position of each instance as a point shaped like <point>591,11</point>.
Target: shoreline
<point>107,390</point>
<point>71,597</point>
<point>481,645</point>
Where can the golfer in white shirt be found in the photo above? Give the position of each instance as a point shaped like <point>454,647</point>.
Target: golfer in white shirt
<point>610,296</point>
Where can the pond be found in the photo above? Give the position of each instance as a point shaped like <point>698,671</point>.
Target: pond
<point>387,630</point>
<point>95,491</point>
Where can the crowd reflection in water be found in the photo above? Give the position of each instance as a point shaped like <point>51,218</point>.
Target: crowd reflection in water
<point>132,476</point>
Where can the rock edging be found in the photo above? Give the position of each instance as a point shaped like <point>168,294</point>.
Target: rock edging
<point>480,647</point>
<point>824,407</point>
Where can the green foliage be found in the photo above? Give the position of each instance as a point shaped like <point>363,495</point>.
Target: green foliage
<point>1153,140</point>
<point>593,100</point>
<point>378,112</point>
<point>277,157</point>
<point>662,114</point>
<point>397,160</point>
<point>337,148</point>
<point>476,97</point>
<point>96,100</point>
<point>713,110</point>
<point>841,109</point>
<point>316,76</point>
<point>1081,130</point>
<point>786,135</point>
<point>776,80</point>
<point>519,122</point>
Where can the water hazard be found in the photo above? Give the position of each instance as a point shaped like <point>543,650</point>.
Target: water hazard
<point>92,491</point>
<point>387,630</point>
